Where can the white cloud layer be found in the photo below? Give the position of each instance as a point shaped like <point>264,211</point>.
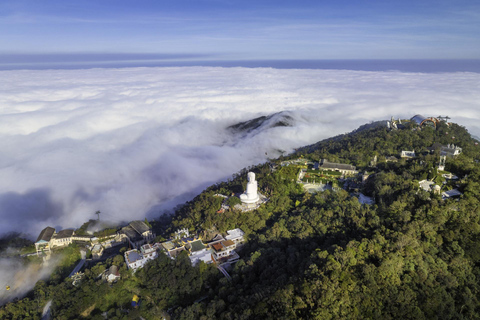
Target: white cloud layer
<point>133,142</point>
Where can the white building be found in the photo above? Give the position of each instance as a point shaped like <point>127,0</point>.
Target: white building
<point>407,154</point>
<point>235,235</point>
<point>134,259</point>
<point>148,251</point>
<point>137,259</point>
<point>204,255</point>
<point>223,249</point>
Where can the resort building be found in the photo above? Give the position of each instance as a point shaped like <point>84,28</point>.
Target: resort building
<point>137,233</point>
<point>43,241</point>
<point>63,238</point>
<point>48,239</point>
<point>111,274</point>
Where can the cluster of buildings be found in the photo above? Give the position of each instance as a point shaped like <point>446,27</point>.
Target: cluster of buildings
<point>419,120</point>
<point>135,234</point>
<point>219,250</point>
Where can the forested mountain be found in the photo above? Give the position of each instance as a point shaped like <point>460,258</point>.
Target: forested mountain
<point>411,255</point>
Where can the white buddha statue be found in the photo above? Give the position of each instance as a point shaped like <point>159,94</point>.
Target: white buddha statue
<point>250,195</point>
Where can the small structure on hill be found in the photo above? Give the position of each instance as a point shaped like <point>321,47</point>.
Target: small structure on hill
<point>449,150</point>
<point>236,235</point>
<point>426,185</point>
<point>454,193</point>
<point>111,274</point>
<point>406,154</point>
<point>391,159</point>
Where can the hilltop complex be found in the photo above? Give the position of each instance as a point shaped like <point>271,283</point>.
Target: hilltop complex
<point>380,223</point>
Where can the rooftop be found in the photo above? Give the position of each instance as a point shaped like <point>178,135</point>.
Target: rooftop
<point>451,193</point>
<point>67,233</point>
<point>46,234</point>
<point>205,256</point>
<point>147,248</point>
<point>324,164</point>
<point>139,226</point>
<point>197,245</point>
<point>133,255</point>
<point>228,243</point>
<point>425,184</point>
<point>130,232</point>
<point>235,233</point>
<point>169,245</point>
<point>217,247</point>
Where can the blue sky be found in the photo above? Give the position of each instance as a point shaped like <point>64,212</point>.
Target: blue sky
<point>222,30</point>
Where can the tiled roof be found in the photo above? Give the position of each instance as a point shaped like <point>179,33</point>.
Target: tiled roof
<point>130,233</point>
<point>228,243</point>
<point>217,247</point>
<point>139,226</point>
<point>197,245</point>
<point>46,234</point>
<point>67,233</point>
<point>331,165</point>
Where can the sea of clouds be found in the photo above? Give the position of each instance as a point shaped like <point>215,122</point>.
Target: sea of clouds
<point>135,142</point>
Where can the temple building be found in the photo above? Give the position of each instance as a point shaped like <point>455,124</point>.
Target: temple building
<point>324,164</point>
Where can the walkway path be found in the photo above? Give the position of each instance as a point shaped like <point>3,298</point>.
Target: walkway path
<point>77,268</point>
<point>225,273</point>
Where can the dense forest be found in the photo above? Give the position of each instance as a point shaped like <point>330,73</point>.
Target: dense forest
<point>411,255</point>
